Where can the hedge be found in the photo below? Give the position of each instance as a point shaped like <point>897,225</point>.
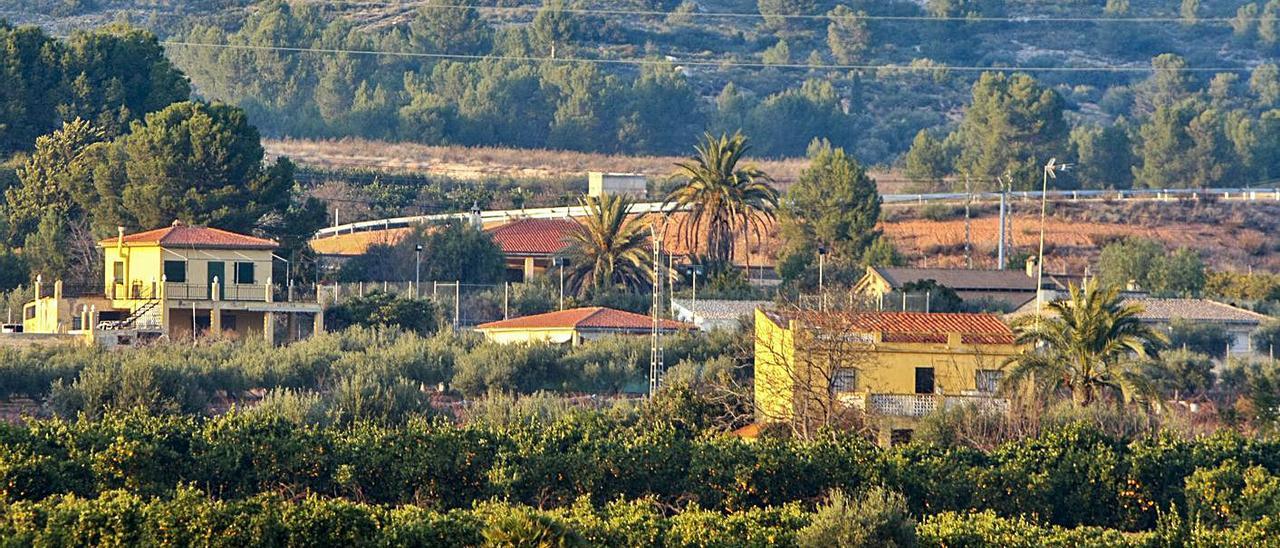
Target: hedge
<point>190,518</point>
<point>1069,476</point>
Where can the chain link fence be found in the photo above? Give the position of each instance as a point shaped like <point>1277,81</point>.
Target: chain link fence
<point>461,304</point>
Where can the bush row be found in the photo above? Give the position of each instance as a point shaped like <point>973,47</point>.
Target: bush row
<point>119,518</point>
<point>355,363</point>
<point>1068,476</point>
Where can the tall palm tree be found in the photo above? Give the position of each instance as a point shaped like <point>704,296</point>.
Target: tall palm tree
<point>1089,344</point>
<point>723,199</point>
<point>607,249</point>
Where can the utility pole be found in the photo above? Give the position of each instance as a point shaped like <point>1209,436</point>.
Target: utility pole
<point>1000,258</point>
<point>968,246</point>
<point>417,270</point>
<point>560,262</point>
<point>655,347</point>
<point>822,292</point>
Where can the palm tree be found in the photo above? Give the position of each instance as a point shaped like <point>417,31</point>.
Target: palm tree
<point>1089,344</point>
<point>723,199</point>
<point>607,249</point>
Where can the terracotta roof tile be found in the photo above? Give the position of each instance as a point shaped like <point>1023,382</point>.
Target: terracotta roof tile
<point>180,235</point>
<point>915,326</point>
<point>533,236</point>
<point>593,317</point>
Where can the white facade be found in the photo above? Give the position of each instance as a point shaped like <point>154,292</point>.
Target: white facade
<point>631,184</point>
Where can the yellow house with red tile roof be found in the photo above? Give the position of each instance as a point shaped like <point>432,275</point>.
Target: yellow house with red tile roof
<point>574,326</point>
<point>176,282</point>
<point>903,364</point>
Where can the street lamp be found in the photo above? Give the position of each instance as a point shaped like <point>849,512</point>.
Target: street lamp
<point>560,262</point>
<point>822,293</point>
<point>1049,172</point>
<point>694,270</point>
<point>417,270</point>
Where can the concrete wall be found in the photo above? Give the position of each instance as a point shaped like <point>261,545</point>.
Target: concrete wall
<point>18,340</point>
<point>616,183</point>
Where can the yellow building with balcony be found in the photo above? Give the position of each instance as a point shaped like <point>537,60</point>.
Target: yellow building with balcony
<point>175,283</point>
<point>816,367</point>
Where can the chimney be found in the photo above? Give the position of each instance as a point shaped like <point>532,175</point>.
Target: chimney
<point>1031,267</point>
<point>119,237</point>
<point>476,221</point>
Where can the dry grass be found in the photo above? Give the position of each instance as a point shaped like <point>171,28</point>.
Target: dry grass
<point>475,163</point>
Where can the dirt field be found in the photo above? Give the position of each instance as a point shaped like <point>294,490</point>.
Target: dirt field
<point>1237,236</point>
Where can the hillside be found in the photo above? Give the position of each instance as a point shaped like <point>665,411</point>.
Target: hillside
<point>486,163</point>
<point>647,76</point>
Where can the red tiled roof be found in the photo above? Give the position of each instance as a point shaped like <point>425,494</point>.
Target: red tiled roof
<point>182,236</point>
<point>533,236</point>
<point>916,326</point>
<point>593,317</point>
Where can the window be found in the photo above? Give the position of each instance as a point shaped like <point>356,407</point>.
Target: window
<point>244,273</point>
<point>924,380</point>
<point>117,272</point>
<point>175,271</point>
<point>845,380</point>
<point>988,380</point>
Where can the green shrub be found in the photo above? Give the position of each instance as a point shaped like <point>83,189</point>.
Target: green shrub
<point>517,367</point>
<point>385,309</point>
<point>874,518</point>
<point>982,529</point>
<point>1231,494</point>
<point>521,527</point>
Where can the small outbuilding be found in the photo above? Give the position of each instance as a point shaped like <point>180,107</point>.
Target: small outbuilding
<point>574,326</point>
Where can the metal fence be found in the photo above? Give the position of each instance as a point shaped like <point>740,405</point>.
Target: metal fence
<point>462,304</point>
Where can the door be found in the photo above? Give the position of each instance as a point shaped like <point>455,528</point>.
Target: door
<point>218,270</point>
<point>924,380</point>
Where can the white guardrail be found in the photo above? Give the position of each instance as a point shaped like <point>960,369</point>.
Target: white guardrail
<point>1243,194</point>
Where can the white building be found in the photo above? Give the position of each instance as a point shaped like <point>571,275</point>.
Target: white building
<point>631,184</point>
<point>1238,323</point>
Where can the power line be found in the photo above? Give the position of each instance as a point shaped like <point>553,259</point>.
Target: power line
<point>700,63</point>
<point>860,17</point>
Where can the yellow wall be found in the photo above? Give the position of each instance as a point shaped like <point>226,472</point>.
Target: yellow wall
<point>774,351</point>
<point>890,368</point>
<point>511,336</point>
<point>144,265</point>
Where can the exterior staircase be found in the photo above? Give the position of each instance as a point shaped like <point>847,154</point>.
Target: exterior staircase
<point>145,316</point>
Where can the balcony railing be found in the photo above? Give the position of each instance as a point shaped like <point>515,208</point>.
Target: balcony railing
<point>226,292</point>
<point>919,405</point>
<point>258,292</point>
